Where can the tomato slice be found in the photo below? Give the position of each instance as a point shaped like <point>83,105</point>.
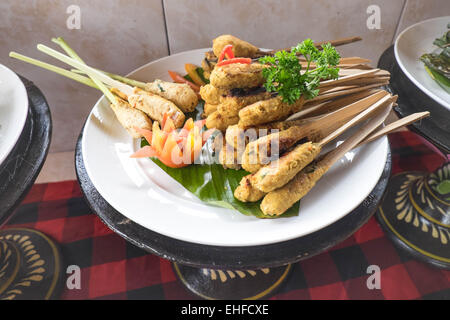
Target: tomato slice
<point>168,125</point>
<point>148,135</point>
<point>189,124</point>
<point>159,137</point>
<point>226,51</point>
<point>179,79</point>
<point>200,123</point>
<point>235,60</point>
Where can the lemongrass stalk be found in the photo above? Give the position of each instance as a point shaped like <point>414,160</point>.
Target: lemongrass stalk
<point>58,70</point>
<point>131,82</point>
<point>90,71</point>
<point>108,94</point>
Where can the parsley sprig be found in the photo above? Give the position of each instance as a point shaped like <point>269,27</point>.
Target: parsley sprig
<point>284,73</point>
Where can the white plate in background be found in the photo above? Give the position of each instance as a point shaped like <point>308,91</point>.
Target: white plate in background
<point>13,110</point>
<point>411,44</point>
<point>144,193</point>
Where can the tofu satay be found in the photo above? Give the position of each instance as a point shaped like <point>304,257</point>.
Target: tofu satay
<point>155,107</point>
<point>230,105</point>
<point>229,157</point>
<point>237,75</point>
<point>245,192</point>
<point>219,121</point>
<point>281,171</point>
<point>241,48</point>
<point>258,153</point>
<point>267,111</point>
<point>211,94</point>
<point>130,117</point>
<point>179,93</point>
<point>278,201</point>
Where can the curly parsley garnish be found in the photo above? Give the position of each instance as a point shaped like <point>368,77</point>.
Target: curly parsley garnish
<point>285,75</point>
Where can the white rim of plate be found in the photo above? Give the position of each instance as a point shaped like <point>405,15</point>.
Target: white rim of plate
<point>405,70</point>
<point>24,113</point>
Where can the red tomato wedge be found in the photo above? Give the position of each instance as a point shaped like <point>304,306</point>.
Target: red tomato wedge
<point>226,51</point>
<point>179,79</point>
<point>175,148</point>
<point>235,60</point>
<point>148,134</point>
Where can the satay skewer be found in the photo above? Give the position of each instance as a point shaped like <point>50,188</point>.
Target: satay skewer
<point>278,201</point>
<point>281,171</point>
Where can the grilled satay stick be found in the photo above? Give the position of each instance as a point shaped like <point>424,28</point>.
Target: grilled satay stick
<point>130,118</point>
<point>228,157</point>
<point>155,106</point>
<point>209,108</point>
<point>281,171</point>
<point>278,201</point>
<point>211,94</point>
<point>253,159</point>
<point>231,105</point>
<point>267,111</point>
<point>219,121</point>
<point>241,48</point>
<point>237,75</point>
<point>180,94</point>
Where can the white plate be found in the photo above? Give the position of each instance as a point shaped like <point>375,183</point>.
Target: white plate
<point>144,193</point>
<point>411,44</point>
<point>13,110</point>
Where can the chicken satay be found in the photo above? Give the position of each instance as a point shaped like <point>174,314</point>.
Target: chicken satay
<point>258,153</point>
<point>245,192</point>
<point>230,105</point>
<point>278,201</point>
<point>228,157</point>
<point>130,117</point>
<point>155,107</point>
<point>267,111</point>
<point>220,122</point>
<point>209,109</point>
<point>211,94</point>
<point>281,171</point>
<point>237,75</point>
<point>241,48</point>
<point>179,93</point>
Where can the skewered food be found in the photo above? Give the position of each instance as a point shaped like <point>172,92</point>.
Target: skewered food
<point>209,108</point>
<point>155,106</point>
<point>179,93</point>
<point>220,121</point>
<point>267,111</point>
<point>211,94</point>
<point>130,118</point>
<point>237,75</point>
<point>241,48</point>
<point>245,192</point>
<point>230,105</point>
<point>281,171</point>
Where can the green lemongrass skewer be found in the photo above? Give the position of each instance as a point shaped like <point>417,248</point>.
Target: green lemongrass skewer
<point>58,70</point>
<point>108,94</point>
<point>131,82</point>
<point>90,71</point>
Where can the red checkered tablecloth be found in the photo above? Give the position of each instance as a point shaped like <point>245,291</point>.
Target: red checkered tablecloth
<point>112,268</point>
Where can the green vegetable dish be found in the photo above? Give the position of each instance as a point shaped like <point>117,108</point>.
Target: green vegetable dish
<point>438,64</point>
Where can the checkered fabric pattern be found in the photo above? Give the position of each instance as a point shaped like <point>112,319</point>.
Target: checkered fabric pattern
<point>114,269</point>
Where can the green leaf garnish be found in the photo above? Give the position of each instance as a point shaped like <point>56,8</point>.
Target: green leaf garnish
<point>284,73</point>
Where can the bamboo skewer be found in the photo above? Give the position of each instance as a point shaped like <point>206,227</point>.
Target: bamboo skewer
<point>334,43</point>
